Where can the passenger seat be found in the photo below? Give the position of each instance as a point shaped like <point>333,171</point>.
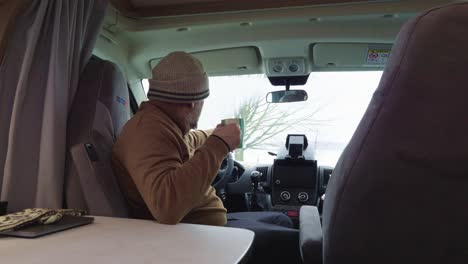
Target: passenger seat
<point>99,112</point>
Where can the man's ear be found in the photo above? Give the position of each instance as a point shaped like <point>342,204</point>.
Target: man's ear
<point>188,106</point>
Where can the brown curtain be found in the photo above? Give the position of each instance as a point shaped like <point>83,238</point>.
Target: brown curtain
<point>51,42</point>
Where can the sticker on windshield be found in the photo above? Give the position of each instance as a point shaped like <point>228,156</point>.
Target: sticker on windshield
<point>378,56</point>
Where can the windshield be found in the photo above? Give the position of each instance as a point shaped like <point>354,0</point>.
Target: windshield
<point>336,104</point>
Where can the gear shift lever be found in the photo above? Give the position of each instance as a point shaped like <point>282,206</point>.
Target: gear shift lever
<point>255,179</point>
<point>252,203</point>
<point>257,199</point>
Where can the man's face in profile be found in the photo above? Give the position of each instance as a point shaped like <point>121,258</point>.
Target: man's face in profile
<point>195,114</point>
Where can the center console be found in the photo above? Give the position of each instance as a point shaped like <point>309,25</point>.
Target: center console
<point>295,180</point>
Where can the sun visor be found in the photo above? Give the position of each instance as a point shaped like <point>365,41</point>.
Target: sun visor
<point>349,56</point>
<point>233,61</point>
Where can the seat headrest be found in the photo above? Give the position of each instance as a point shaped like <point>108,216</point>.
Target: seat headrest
<point>114,94</point>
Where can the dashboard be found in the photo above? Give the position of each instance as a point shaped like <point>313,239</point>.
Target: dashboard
<point>286,195</point>
<point>293,180</point>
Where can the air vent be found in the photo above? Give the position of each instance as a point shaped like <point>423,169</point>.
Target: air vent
<point>264,172</point>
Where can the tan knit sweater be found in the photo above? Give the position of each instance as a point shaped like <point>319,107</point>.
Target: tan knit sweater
<point>165,175</point>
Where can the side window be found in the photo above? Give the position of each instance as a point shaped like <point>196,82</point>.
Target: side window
<point>145,85</point>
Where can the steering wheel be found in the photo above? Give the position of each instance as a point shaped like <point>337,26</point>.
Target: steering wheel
<point>224,174</point>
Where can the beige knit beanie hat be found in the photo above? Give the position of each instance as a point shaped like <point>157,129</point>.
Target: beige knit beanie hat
<point>179,78</point>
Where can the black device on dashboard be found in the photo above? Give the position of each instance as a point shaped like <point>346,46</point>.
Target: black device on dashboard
<point>294,178</point>
<point>296,144</point>
<point>295,182</point>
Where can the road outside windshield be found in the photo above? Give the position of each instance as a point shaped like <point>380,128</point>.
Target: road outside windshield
<point>336,104</point>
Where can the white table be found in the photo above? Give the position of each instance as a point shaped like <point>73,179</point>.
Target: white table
<point>116,240</point>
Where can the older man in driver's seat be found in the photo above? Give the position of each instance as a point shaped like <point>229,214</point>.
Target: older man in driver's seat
<point>164,167</point>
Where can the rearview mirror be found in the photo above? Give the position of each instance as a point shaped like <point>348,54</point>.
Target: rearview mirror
<point>287,96</point>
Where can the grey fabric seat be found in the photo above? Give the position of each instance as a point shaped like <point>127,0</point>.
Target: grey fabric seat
<point>399,193</point>
<point>100,110</point>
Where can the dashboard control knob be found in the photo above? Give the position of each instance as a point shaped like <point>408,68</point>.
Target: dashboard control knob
<point>303,197</point>
<point>285,196</point>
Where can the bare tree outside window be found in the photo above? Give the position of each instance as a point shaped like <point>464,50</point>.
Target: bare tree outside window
<point>264,122</point>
